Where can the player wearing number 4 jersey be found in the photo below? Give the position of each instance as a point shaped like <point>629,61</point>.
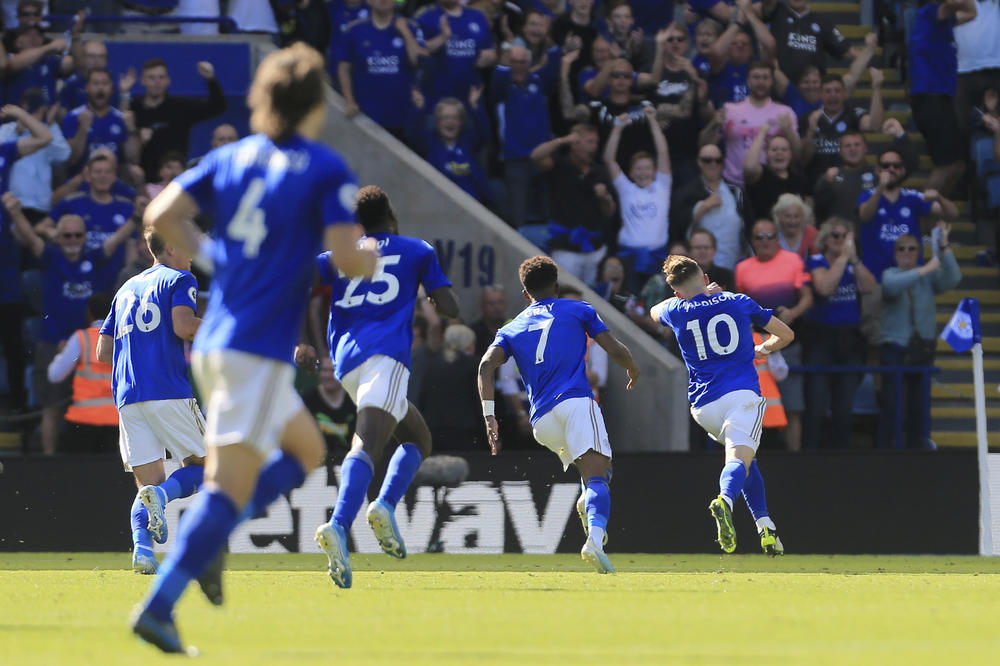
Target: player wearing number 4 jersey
<point>143,339</point>
<point>275,197</point>
<point>548,341</point>
<point>370,333</point>
<point>715,335</point>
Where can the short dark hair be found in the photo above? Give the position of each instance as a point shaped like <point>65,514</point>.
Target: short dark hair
<point>172,156</point>
<point>886,151</point>
<point>703,230</point>
<point>99,304</point>
<point>854,132</point>
<point>374,208</point>
<point>287,87</point>
<point>538,273</point>
<point>154,240</point>
<point>155,62</point>
<point>680,269</point>
<point>98,157</point>
<point>832,78</point>
<point>810,69</point>
<point>760,64</point>
<point>567,290</point>
<point>99,70</point>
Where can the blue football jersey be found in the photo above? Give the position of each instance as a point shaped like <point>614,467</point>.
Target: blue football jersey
<point>715,335</point>
<point>376,317</point>
<point>548,341</point>
<point>271,204</point>
<point>149,361</point>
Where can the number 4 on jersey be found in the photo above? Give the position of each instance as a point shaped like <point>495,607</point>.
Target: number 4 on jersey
<point>247,224</point>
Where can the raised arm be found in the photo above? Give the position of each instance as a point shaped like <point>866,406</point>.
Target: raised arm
<point>860,62</point>
<point>542,154</point>
<point>659,140</point>
<point>41,135</point>
<point>941,206</point>
<point>760,30</point>
<point>25,233</point>
<point>719,53</point>
<point>620,354</point>
<point>866,211</point>
<point>873,120</point>
<point>122,234</point>
<point>807,146</point>
<point>752,168</point>
<point>78,142</point>
<point>488,365</point>
<point>413,48</point>
<point>444,34</point>
<point>611,147</point>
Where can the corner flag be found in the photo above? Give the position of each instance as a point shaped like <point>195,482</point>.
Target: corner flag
<point>962,330</point>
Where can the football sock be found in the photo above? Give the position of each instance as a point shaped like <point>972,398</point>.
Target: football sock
<point>731,480</point>
<point>753,493</point>
<point>183,482</point>
<point>141,537</point>
<point>402,468</point>
<point>355,476</point>
<point>203,532</point>
<point>280,474</point>
<point>598,503</point>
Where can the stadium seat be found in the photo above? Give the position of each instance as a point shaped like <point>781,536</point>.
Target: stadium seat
<point>31,283</point>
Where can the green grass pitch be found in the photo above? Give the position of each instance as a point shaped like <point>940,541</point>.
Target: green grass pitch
<point>71,608</point>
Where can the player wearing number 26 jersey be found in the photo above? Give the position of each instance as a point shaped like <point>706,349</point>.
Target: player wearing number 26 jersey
<point>714,330</point>
<point>548,341</point>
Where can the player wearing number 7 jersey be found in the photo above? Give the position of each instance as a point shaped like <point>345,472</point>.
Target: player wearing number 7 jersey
<point>548,341</point>
<point>274,197</point>
<point>370,332</point>
<point>143,339</point>
<point>715,335</point>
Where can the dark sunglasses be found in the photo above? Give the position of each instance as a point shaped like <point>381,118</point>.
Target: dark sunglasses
<point>765,236</point>
<point>677,39</point>
<point>73,235</point>
<point>907,248</point>
<point>620,75</point>
<point>710,160</point>
<point>837,234</point>
<point>891,165</point>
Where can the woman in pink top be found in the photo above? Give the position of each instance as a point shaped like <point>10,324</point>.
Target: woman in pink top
<point>794,218</point>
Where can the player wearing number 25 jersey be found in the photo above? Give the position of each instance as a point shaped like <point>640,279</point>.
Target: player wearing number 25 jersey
<point>143,338</point>
<point>714,331</point>
<point>548,341</point>
<point>275,198</point>
<point>370,333</point>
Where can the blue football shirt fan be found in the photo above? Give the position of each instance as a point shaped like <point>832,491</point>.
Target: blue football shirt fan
<point>143,338</point>
<point>714,330</point>
<point>370,332</point>
<point>277,197</point>
<point>548,341</point>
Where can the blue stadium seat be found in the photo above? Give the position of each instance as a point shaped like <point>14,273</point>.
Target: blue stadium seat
<point>31,283</point>
<point>993,190</point>
<point>982,155</point>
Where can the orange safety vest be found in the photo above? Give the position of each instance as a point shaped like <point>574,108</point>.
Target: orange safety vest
<point>93,402</point>
<point>774,412</point>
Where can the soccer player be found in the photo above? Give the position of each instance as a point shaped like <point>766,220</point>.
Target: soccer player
<point>714,331</point>
<point>548,341</point>
<point>275,197</point>
<point>143,339</point>
<point>370,333</point>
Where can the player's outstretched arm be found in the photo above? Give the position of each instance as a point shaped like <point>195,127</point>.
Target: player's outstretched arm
<point>620,354</point>
<point>656,310</point>
<point>445,302</point>
<point>492,359</point>
<point>169,214</point>
<point>105,348</point>
<point>781,337</point>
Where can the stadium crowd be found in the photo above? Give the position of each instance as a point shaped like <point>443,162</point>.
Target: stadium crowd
<point>608,133</point>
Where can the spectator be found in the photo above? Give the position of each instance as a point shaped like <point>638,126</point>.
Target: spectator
<point>626,39</point>
<point>143,258</point>
<point>92,417</point>
<point>804,95</point>
<point>831,334</point>
<point>592,80</point>
<point>68,278</point>
<point>729,62</point>
<point>582,206</point>
<point>705,34</point>
<point>890,211</point>
<point>428,337</point>
<point>656,290</point>
<point>580,25</point>
<point>597,358</point>
<point>171,166</point>
<point>682,105</point>
<point>221,135</point>
<point>803,38</point>
<point>703,248</point>
<point>79,182</point>
<point>99,125</point>
<point>776,279</point>
<point>73,91</point>
<point>453,145</point>
<point>794,219</point>
<point>103,212</point>
<point>821,143</point>
<point>333,410</point>
<point>716,205</point>
<point>613,84</point>
<point>611,284</point>
<point>534,36</point>
<point>837,190</point>
<point>459,42</point>
<point>978,61</point>
<point>907,334</point>
<point>933,82</point>
<point>493,311</point>
<point>342,13</point>
<point>17,13</point>
<point>651,16</point>
<point>777,175</point>
<point>645,201</point>
<point>520,100</point>
<point>377,66</point>
<point>740,122</point>
<point>34,62</point>
<point>450,408</point>
<point>164,120</point>
<point>31,177</point>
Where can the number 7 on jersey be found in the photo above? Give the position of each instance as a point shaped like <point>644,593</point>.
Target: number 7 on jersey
<point>543,340</point>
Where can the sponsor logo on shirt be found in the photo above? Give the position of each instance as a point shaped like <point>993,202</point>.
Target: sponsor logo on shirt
<point>461,48</point>
<point>378,64</point>
<point>800,42</point>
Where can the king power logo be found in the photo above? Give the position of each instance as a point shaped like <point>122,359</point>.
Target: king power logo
<point>468,519</point>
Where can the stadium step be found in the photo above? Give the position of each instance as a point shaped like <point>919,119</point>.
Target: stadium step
<point>962,439</point>
<point>961,391</point>
<point>963,412</point>
<point>891,75</point>
<point>986,296</point>
<point>888,94</point>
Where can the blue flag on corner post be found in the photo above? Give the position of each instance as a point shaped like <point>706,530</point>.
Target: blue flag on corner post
<point>962,330</point>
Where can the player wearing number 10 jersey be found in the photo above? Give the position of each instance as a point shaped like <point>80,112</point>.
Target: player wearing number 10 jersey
<point>715,335</point>
<point>370,332</point>
<point>143,339</point>
<point>274,198</point>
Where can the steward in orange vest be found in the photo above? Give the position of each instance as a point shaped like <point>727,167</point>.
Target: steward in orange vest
<point>774,412</point>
